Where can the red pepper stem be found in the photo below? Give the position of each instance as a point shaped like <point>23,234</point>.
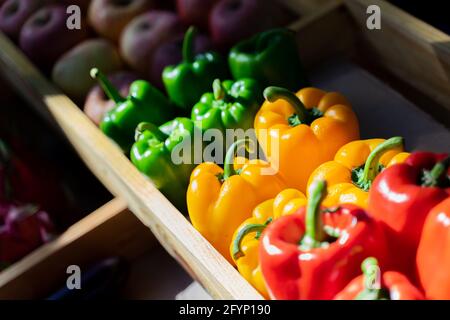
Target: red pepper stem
<point>188,45</point>
<point>315,232</point>
<point>439,171</point>
<point>107,86</point>
<point>272,94</point>
<point>147,126</point>
<point>367,267</point>
<point>228,166</point>
<point>245,230</point>
<point>373,161</point>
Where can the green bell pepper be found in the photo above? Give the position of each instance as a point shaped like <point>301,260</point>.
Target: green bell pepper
<point>271,58</point>
<point>232,105</point>
<point>186,82</point>
<point>144,103</point>
<point>155,154</point>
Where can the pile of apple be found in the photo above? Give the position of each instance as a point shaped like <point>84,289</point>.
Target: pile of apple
<point>127,39</point>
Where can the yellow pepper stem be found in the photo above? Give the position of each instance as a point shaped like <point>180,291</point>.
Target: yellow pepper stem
<point>228,166</point>
<point>245,230</point>
<point>371,167</point>
<point>272,94</point>
<point>315,232</point>
<point>111,91</point>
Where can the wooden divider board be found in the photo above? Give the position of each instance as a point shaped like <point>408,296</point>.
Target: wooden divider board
<point>105,159</point>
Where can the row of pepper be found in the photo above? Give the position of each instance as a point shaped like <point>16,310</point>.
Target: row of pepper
<point>376,200</point>
<point>141,122</point>
<point>376,197</point>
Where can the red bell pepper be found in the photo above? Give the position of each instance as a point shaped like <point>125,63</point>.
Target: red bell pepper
<point>401,198</point>
<point>433,255</point>
<point>374,285</point>
<point>315,252</point>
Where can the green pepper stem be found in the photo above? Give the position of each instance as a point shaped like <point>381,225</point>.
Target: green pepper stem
<point>372,162</point>
<point>434,177</point>
<point>315,232</point>
<point>147,126</point>
<point>228,166</point>
<point>237,243</point>
<point>272,94</point>
<point>106,85</point>
<point>219,91</point>
<point>188,45</point>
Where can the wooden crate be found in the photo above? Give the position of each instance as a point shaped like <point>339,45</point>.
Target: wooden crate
<point>403,48</point>
<point>112,230</point>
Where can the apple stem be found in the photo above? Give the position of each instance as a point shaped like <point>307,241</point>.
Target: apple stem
<point>188,45</point>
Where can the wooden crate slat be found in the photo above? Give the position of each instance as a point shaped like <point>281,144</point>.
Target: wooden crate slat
<point>411,49</point>
<point>328,30</point>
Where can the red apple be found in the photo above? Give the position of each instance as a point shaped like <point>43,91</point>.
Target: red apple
<point>109,17</point>
<point>143,36</point>
<point>83,4</point>
<point>45,36</point>
<point>195,12</point>
<point>97,103</point>
<point>14,14</point>
<point>234,20</point>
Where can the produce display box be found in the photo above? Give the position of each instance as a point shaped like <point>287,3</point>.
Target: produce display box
<point>111,230</point>
<point>399,53</point>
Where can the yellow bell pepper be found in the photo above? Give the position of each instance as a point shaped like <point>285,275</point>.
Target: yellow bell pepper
<point>245,244</point>
<point>355,166</point>
<point>298,132</point>
<point>219,200</point>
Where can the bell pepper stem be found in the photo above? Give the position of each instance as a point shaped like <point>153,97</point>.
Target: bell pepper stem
<point>370,270</point>
<point>188,45</point>
<point>434,177</point>
<point>228,166</point>
<point>373,161</point>
<point>247,229</point>
<point>147,126</point>
<point>315,232</point>
<point>106,85</point>
<point>367,267</point>
<point>272,94</point>
<point>219,91</point>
